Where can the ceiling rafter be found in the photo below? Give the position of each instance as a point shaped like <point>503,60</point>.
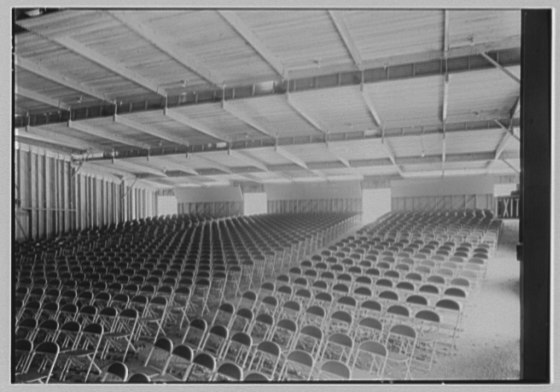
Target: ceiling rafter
<point>38,97</point>
<point>391,155</point>
<point>194,124</point>
<point>149,130</point>
<point>508,132</point>
<point>235,112</point>
<point>249,36</point>
<point>499,66</point>
<point>224,168</point>
<point>346,37</point>
<point>59,138</point>
<point>516,170</point>
<point>304,115</point>
<point>371,108</point>
<point>179,54</point>
<point>102,133</point>
<point>53,76</point>
<point>97,58</point>
<point>135,166</point>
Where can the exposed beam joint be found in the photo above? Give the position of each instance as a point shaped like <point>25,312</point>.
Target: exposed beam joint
<point>149,130</point>
<point>235,112</point>
<point>346,37</point>
<point>191,123</point>
<point>102,133</point>
<point>247,34</point>
<point>291,157</point>
<point>371,107</point>
<point>186,59</point>
<point>38,97</point>
<point>508,130</point>
<point>34,68</point>
<point>254,162</point>
<point>304,115</point>
<point>500,67</point>
<point>391,156</point>
<point>516,170</point>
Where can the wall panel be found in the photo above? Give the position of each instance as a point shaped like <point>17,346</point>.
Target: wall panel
<point>53,196</point>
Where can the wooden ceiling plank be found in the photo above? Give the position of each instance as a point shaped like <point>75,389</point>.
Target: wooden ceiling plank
<point>247,34</point>
<point>346,37</point>
<point>183,57</point>
<point>149,130</point>
<point>191,123</point>
<point>102,133</point>
<point>30,66</point>
<point>35,96</point>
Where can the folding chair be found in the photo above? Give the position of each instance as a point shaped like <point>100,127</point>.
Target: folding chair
<point>297,367</point>
<point>261,327</point>
<point>369,361</point>
<point>339,346</point>
<point>400,344</point>
<point>427,324</point>
<point>223,314</point>
<point>85,353</point>
<point>115,372</point>
<point>266,358</point>
<point>268,305</point>
<point>40,366</point>
<point>247,300</point>
<point>241,321</point>
<point>215,340</point>
<point>290,310</point>
<point>121,338</point>
<point>202,368</point>
<point>157,359</point>
<point>237,348</point>
<point>194,334</point>
<point>178,366</point>
<point>340,321</point>
<point>152,321</point>
<point>256,377</point>
<point>23,352</point>
<point>309,339</point>
<point>284,333</point>
<point>228,371</point>
<point>47,331</point>
<point>368,328</point>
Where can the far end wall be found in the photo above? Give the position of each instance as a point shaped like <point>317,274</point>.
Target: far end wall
<point>443,193</point>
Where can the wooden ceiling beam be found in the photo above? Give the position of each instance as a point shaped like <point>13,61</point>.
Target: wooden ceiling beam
<point>38,97</point>
<point>346,38</point>
<point>53,76</point>
<point>179,54</point>
<point>56,137</point>
<point>191,123</point>
<point>258,46</point>
<point>149,130</point>
<point>105,134</point>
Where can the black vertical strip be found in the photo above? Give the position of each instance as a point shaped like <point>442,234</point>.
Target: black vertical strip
<point>535,194</point>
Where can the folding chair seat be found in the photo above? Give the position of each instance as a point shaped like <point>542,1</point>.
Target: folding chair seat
<point>297,367</point>
<point>346,303</point>
<point>120,339</point>
<point>228,371</point>
<point>202,368</point>
<point>32,309</point>
<point>256,377</point>
<point>139,378</point>
<point>120,301</point>
<point>267,288</point>
<point>370,308</point>
<point>284,294</point>
<point>333,370</point>
<point>303,296</point>
<point>87,314</point>
<point>400,344</point>
<point>319,286</point>
<point>437,280</point>
<point>369,361</point>
<point>266,359</point>
<point>396,314</point>
<point>405,287</point>
<point>241,321</point>
<point>194,334</point>
<point>49,310</point>
<point>41,364</point>
<point>388,297</point>
<point>115,372</point>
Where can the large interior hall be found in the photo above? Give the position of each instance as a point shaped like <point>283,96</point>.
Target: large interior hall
<point>278,195</point>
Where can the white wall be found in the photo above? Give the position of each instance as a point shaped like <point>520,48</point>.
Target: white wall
<point>254,203</point>
<point>375,202</point>
<point>166,205</point>
<point>474,185</point>
<point>314,191</point>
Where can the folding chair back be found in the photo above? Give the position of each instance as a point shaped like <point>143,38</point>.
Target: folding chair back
<point>116,372</point>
